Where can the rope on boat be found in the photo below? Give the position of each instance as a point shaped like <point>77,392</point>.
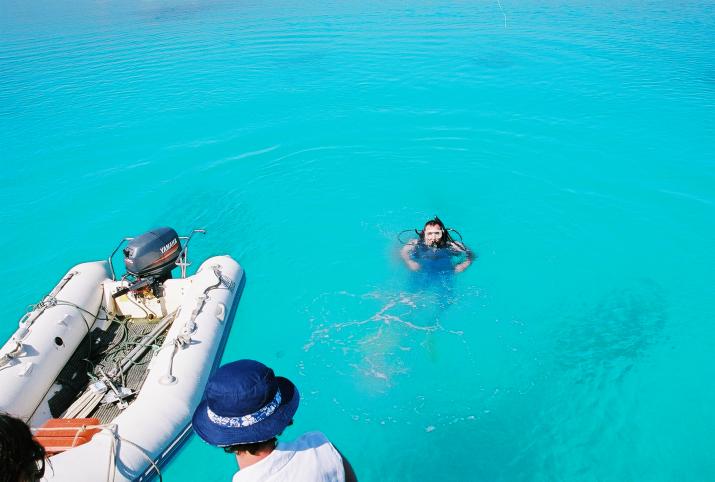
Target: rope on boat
<point>9,356</point>
<point>34,312</point>
<point>113,454</point>
<point>184,339</point>
<point>112,428</point>
<point>120,358</point>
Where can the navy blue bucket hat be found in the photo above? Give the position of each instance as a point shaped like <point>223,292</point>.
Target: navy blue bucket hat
<point>244,402</point>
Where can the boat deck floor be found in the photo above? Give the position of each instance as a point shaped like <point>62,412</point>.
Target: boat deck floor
<point>104,349</point>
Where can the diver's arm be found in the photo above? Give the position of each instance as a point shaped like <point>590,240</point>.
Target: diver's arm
<point>406,253</point>
<point>462,266</point>
<point>470,256</point>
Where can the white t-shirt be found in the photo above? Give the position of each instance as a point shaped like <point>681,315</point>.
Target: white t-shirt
<point>311,457</point>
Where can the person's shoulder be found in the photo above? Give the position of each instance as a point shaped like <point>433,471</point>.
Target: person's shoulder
<point>309,440</point>
<point>309,455</point>
<point>314,435</point>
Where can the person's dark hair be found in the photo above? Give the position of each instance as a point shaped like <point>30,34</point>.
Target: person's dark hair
<point>252,448</point>
<point>446,238</point>
<point>22,458</point>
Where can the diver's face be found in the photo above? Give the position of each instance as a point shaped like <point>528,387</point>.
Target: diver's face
<point>433,234</point>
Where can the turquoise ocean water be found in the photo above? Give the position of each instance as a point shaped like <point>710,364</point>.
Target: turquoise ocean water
<point>571,143</point>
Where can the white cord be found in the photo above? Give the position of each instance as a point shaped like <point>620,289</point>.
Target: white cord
<point>502,12</point>
<point>112,429</point>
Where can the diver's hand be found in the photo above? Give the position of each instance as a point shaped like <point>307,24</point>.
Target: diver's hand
<point>462,266</point>
<point>413,265</point>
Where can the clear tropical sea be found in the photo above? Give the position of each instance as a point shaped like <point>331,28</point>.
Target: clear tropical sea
<point>571,143</point>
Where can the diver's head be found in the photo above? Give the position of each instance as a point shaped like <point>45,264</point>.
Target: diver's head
<point>434,234</point>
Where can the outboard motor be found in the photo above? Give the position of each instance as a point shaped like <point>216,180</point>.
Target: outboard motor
<point>150,259</point>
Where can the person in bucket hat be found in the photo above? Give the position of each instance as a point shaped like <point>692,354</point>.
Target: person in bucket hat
<point>244,408</point>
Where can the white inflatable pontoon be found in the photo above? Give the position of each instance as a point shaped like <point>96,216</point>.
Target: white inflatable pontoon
<point>123,361</point>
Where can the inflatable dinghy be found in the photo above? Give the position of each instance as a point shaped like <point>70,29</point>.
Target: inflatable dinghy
<point>108,371</point>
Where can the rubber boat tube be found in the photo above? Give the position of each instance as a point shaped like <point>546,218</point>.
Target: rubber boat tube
<point>47,337</point>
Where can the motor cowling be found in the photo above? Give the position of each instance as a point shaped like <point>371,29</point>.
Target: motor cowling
<point>153,254</point>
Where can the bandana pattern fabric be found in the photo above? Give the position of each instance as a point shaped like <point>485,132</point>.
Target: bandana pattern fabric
<point>246,420</point>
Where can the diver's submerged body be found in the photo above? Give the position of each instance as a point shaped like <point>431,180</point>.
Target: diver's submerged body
<point>452,257</point>
<point>435,251</point>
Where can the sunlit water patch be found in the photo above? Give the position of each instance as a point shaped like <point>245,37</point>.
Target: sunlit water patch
<point>377,334</point>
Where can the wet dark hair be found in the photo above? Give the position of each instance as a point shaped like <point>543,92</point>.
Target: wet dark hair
<point>446,238</point>
<point>252,448</point>
<point>22,458</point>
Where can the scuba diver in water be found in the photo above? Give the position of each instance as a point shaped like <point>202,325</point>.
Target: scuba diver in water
<point>435,250</point>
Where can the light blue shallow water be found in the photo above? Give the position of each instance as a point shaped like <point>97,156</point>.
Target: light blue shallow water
<point>571,143</point>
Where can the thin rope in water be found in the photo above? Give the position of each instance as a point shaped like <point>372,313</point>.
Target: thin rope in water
<point>502,12</point>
